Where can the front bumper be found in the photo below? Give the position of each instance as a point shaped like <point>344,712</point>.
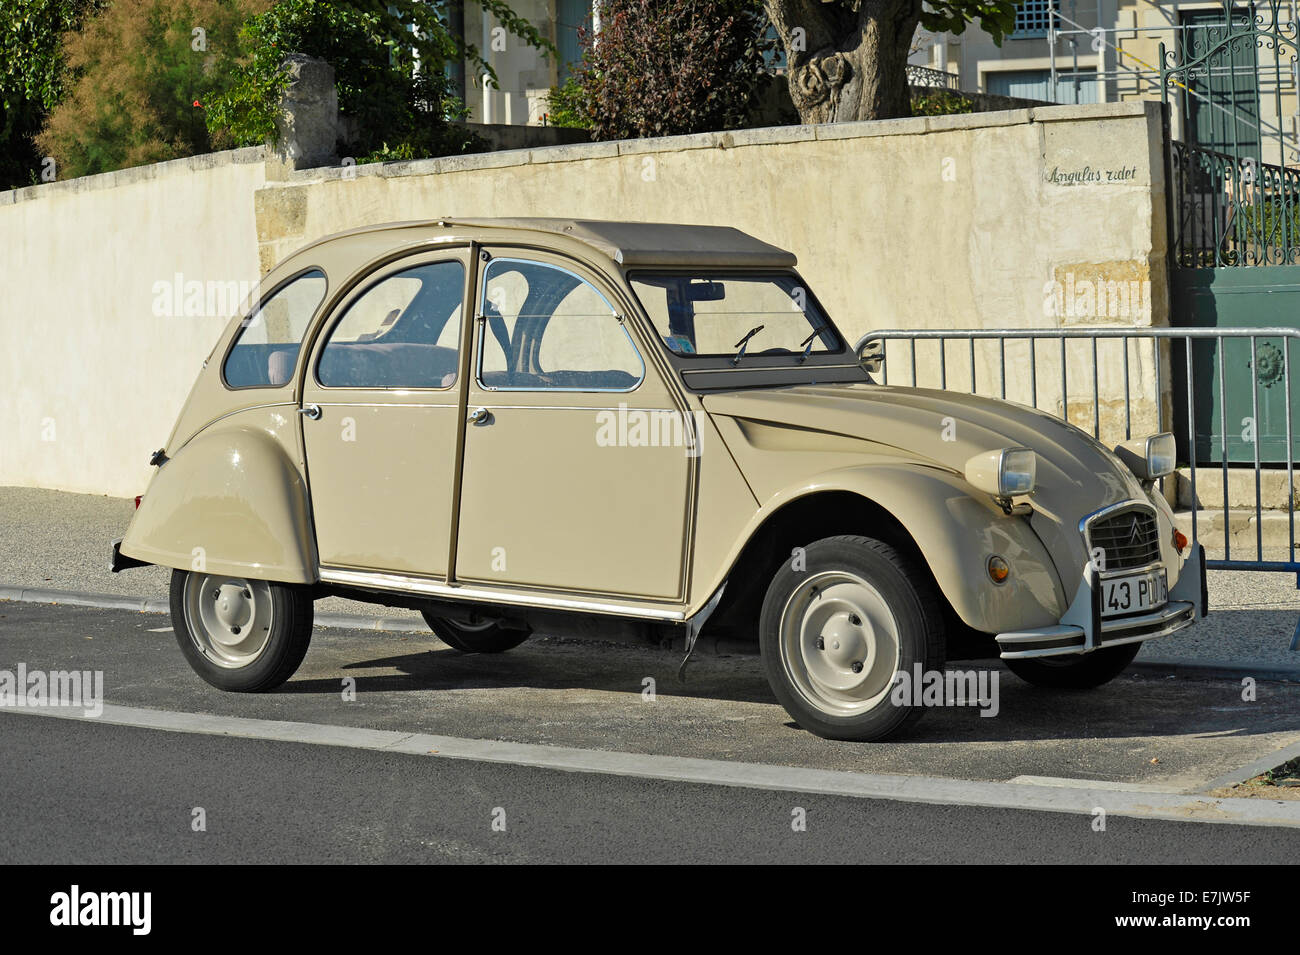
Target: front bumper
<point>1083,629</point>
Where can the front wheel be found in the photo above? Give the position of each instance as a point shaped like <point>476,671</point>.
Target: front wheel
<point>247,636</point>
<point>486,636</point>
<point>836,628</point>
<point>1082,672</point>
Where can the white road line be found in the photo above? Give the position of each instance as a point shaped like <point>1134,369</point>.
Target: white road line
<point>920,789</point>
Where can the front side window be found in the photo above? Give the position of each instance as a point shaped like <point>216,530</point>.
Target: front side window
<point>265,351</point>
<point>711,315</point>
<point>545,328</point>
<point>402,332</point>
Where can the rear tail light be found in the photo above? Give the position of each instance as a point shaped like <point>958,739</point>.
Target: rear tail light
<point>138,499</point>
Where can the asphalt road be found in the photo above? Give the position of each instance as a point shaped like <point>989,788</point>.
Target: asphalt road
<point>1142,729</point>
<point>82,793</point>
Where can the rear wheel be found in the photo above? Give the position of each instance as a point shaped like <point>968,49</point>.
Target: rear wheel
<point>247,636</point>
<point>1083,672</point>
<point>835,630</point>
<point>486,636</point>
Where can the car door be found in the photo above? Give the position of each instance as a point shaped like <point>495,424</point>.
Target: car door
<point>381,402</point>
<point>578,460</point>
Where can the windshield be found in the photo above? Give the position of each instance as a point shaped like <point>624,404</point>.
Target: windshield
<point>711,314</point>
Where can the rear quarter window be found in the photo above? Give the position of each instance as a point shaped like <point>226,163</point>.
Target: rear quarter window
<point>265,352</point>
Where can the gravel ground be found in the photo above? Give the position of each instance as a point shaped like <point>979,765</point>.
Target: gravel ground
<point>60,541</point>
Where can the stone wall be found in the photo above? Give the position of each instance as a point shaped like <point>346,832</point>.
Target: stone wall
<point>981,220</point>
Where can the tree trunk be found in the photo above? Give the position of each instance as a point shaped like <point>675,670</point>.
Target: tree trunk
<point>847,59</point>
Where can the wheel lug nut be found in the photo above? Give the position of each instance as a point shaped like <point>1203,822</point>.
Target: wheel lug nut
<point>857,667</point>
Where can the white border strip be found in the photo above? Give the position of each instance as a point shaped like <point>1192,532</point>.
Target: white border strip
<point>919,789</point>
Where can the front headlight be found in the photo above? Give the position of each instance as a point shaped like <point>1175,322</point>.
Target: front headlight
<point>1149,458</point>
<point>1004,473</point>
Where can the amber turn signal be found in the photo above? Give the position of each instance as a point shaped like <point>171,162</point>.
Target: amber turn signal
<point>999,570</point>
<point>1180,540</point>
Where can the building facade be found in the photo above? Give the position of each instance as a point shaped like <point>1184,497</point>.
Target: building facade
<point>1241,101</point>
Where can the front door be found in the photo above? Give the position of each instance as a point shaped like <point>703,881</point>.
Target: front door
<point>578,461</point>
<point>381,398</point>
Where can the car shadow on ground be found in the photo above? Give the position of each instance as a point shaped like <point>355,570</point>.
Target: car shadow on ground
<point>1140,703</point>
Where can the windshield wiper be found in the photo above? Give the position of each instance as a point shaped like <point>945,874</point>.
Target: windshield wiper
<point>807,343</point>
<point>745,341</point>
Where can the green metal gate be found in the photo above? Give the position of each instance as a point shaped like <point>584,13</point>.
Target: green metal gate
<point>1234,223</point>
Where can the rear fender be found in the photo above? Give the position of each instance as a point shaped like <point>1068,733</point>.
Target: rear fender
<point>230,502</point>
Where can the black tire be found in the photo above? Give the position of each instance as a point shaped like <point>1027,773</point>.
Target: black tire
<point>1085,672</point>
<point>488,637</point>
<point>905,590</point>
<point>286,621</point>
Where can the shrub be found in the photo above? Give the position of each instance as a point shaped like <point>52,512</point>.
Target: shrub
<point>672,66</point>
<point>393,108</point>
<point>142,73</point>
<point>940,102</point>
<point>32,76</point>
<point>566,105</point>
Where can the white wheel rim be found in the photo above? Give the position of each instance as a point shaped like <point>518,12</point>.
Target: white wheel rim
<point>228,618</point>
<point>839,643</point>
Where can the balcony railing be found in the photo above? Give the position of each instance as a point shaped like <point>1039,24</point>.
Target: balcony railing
<point>924,76</point>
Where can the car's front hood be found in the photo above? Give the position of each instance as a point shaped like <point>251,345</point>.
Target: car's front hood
<point>1076,475</point>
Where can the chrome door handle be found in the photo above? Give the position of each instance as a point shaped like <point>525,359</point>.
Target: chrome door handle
<point>311,411</point>
<point>478,415</point>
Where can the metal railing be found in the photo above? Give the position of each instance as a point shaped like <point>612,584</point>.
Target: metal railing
<point>924,76</point>
<point>1232,211</point>
<point>1163,362</point>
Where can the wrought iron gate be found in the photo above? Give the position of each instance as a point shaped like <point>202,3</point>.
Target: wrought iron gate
<point>1234,219</point>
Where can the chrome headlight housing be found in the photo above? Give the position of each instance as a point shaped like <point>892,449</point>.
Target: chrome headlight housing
<point>1004,473</point>
<point>1149,458</point>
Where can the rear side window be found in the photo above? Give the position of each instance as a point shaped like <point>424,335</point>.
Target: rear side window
<point>402,332</point>
<point>266,350</point>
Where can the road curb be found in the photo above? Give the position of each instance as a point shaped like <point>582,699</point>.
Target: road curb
<point>1226,669</point>
<point>1077,797</point>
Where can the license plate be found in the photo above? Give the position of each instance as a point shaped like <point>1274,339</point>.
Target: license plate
<point>1134,593</point>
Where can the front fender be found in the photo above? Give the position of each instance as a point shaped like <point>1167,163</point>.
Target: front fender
<point>229,502</point>
<point>956,533</point>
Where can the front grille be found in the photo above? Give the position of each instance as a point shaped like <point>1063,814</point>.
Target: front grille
<point>1127,539</point>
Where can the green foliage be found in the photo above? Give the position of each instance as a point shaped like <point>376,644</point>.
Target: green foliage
<point>1270,223</point>
<point>392,109</point>
<point>32,78</point>
<point>566,105</point>
<point>672,66</point>
<point>940,102</point>
<point>141,73</point>
<point>997,18</point>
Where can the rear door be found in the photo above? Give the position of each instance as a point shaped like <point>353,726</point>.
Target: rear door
<point>382,397</point>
